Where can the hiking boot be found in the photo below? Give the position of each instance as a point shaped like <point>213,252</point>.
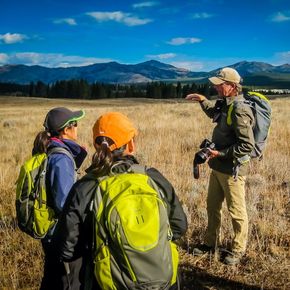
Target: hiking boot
<point>202,249</point>
<point>233,258</point>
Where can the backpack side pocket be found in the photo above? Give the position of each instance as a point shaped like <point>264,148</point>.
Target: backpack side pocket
<point>103,268</point>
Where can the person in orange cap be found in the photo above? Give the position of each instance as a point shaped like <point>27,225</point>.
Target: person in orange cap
<point>122,216</point>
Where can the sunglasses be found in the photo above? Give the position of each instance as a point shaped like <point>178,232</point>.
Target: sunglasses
<point>73,124</point>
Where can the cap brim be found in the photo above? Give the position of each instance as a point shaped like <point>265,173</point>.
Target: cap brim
<point>216,81</point>
<point>77,115</point>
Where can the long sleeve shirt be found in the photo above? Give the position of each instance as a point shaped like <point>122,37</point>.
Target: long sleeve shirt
<point>234,140</point>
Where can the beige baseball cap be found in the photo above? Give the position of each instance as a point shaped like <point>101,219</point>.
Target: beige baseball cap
<point>226,74</point>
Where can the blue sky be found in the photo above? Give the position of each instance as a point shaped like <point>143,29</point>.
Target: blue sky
<point>199,35</point>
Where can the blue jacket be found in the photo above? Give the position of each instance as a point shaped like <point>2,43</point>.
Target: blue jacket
<point>61,171</point>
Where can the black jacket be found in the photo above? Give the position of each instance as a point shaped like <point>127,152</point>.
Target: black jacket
<point>76,224</point>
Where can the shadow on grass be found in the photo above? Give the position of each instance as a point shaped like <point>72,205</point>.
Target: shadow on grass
<point>197,279</point>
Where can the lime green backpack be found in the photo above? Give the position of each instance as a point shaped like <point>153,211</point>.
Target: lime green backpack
<point>133,247</point>
<point>34,216</point>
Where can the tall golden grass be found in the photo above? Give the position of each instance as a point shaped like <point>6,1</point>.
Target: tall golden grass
<point>169,135</point>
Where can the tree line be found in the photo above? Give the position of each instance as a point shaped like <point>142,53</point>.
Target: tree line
<point>81,89</point>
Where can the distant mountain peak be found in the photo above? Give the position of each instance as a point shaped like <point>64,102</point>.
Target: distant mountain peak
<point>153,61</point>
<point>114,72</point>
<point>156,63</point>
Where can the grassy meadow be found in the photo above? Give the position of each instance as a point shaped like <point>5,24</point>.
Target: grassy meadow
<point>169,135</point>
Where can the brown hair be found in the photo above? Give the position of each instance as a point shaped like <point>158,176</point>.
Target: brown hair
<point>104,158</point>
<point>41,142</point>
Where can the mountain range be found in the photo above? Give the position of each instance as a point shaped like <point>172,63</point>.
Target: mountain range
<point>253,73</point>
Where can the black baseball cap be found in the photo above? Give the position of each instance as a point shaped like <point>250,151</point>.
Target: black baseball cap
<point>58,118</point>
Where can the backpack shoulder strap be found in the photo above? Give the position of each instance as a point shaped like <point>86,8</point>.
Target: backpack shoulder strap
<point>41,181</point>
<point>137,168</point>
<point>261,96</point>
<point>234,105</point>
<point>229,114</point>
<point>61,150</point>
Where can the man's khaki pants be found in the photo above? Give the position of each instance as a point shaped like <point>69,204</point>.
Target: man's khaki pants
<point>223,186</point>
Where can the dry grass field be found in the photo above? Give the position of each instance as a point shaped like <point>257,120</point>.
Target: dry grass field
<point>170,133</point>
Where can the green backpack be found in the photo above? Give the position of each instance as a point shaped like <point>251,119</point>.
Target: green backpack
<point>133,247</point>
<point>33,215</point>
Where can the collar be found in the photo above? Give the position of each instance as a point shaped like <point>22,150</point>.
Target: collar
<point>78,152</point>
<point>123,161</point>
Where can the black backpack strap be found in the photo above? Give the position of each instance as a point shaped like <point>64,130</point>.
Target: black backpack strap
<point>61,150</point>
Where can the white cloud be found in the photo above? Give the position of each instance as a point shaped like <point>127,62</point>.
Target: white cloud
<point>280,17</point>
<point>120,17</point>
<point>51,59</point>
<point>202,15</point>
<point>282,57</point>
<point>183,40</point>
<point>194,63</point>
<point>10,38</point>
<point>284,53</point>
<point>3,58</point>
<point>161,56</point>
<point>145,4</point>
<point>69,21</point>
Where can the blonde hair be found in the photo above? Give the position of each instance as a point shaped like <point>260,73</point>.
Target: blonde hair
<point>239,88</point>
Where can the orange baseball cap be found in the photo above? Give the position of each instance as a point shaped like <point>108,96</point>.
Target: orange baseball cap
<point>116,126</point>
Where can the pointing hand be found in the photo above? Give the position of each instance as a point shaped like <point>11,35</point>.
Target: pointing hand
<point>195,97</point>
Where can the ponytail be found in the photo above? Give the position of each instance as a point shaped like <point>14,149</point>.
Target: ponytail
<point>41,142</point>
<point>104,158</point>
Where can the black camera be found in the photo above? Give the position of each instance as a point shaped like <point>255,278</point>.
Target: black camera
<point>202,156</point>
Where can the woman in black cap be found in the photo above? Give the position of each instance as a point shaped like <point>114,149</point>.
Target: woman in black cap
<point>65,156</point>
